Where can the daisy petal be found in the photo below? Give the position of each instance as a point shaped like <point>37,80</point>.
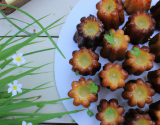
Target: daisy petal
<point>14,61</point>
<point>14,56</point>
<point>14,92</point>
<point>23,61</point>
<point>10,90</point>
<point>19,85</point>
<point>29,123</point>
<point>15,82</point>
<point>19,90</point>
<point>18,64</point>
<point>10,85</point>
<point>20,54</point>
<point>23,123</point>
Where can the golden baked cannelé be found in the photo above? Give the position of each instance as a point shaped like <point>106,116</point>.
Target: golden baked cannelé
<point>154,45</point>
<point>115,51</point>
<point>139,27</point>
<point>138,117</point>
<point>138,93</point>
<point>154,109</point>
<point>111,13</point>
<point>132,6</point>
<point>113,76</point>
<point>155,10</point>
<point>154,79</point>
<point>89,32</point>
<point>109,113</point>
<point>85,62</point>
<point>81,92</point>
<point>138,64</point>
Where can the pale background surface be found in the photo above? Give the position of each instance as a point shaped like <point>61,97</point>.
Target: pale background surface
<point>38,9</point>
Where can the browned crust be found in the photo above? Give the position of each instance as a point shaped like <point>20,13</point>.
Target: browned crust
<point>155,10</point>
<point>154,108</point>
<point>92,68</point>
<point>104,104</point>
<point>134,115</point>
<point>136,34</point>
<point>83,39</point>
<point>154,78</point>
<point>114,19</point>
<point>113,53</point>
<point>129,91</point>
<point>132,6</point>
<point>133,68</point>
<point>154,45</point>
<point>81,100</point>
<point>105,81</point>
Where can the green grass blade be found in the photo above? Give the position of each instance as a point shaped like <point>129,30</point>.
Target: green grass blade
<point>2,65</point>
<point>38,24</point>
<point>35,42</point>
<point>14,24</point>
<point>11,69</point>
<point>5,44</point>
<point>9,79</point>
<point>37,51</point>
<point>5,35</point>
<point>16,40</point>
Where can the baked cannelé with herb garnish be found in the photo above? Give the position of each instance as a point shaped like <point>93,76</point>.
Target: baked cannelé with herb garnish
<point>154,109</point>
<point>139,27</point>
<point>138,117</point>
<point>154,45</point>
<point>155,10</point>
<point>111,13</point>
<point>132,6</point>
<point>84,91</point>
<point>138,60</point>
<point>154,79</point>
<point>113,76</point>
<point>110,113</point>
<point>114,45</point>
<point>138,93</point>
<point>85,62</point>
<point>89,32</point>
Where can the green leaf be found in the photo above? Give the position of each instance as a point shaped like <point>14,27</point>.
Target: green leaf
<point>110,111</point>
<point>6,62</point>
<point>110,38</point>
<point>93,88</point>
<point>90,113</point>
<point>77,73</point>
<point>73,121</point>
<point>70,7</point>
<point>4,36</point>
<point>136,51</point>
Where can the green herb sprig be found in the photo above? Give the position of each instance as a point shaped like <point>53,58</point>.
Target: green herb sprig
<point>90,113</point>
<point>93,88</point>
<point>110,112</point>
<point>136,51</point>
<point>77,73</point>
<point>110,38</point>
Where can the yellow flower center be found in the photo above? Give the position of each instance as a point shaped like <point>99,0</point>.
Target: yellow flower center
<point>18,59</point>
<point>14,87</point>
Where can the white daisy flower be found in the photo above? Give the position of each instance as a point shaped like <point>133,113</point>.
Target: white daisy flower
<point>18,59</point>
<point>24,123</point>
<point>14,88</point>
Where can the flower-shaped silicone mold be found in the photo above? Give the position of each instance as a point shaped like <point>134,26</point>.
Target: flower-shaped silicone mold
<point>154,79</point>
<point>89,32</point>
<point>155,10</point>
<point>139,27</point>
<point>113,76</point>
<point>111,13</point>
<point>138,93</point>
<point>132,6</point>
<point>154,45</point>
<point>85,61</point>
<point>81,93</point>
<point>138,64</point>
<point>109,113</point>
<point>155,111</point>
<point>115,51</point>
<point>138,117</point>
